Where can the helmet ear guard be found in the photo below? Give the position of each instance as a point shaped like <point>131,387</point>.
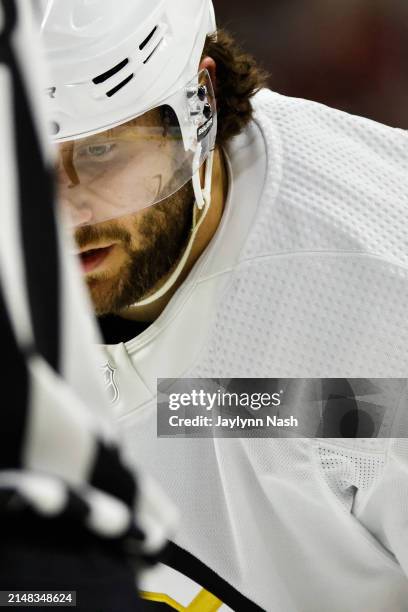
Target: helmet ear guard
<point>202,105</point>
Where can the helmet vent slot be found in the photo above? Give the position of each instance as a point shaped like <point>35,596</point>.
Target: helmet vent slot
<point>154,51</point>
<point>147,39</point>
<point>112,71</point>
<point>109,73</point>
<point>114,90</point>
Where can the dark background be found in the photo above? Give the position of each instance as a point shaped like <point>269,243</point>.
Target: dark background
<point>350,54</point>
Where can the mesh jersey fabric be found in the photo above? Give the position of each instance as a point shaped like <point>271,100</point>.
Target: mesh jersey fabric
<point>320,286</point>
<point>306,277</point>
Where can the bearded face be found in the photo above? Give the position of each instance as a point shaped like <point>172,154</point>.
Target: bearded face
<point>105,177</point>
<point>123,259</point>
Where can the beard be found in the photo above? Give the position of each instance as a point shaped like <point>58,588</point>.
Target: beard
<point>161,232</point>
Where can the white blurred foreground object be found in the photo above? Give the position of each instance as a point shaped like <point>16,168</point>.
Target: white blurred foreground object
<point>58,442</point>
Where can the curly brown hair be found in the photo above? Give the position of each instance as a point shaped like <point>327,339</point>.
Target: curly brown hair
<point>239,78</point>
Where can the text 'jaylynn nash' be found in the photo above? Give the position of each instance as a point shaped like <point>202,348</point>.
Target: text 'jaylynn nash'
<point>237,422</point>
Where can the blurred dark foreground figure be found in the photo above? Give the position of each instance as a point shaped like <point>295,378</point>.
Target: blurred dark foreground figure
<point>42,555</point>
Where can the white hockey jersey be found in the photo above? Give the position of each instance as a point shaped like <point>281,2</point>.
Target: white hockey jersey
<point>307,276</point>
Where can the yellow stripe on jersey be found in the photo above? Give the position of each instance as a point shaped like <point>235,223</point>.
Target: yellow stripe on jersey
<point>203,602</point>
<point>162,598</point>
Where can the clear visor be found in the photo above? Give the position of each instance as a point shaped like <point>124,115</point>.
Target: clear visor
<point>141,162</point>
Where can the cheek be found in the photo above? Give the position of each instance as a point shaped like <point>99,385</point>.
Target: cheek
<point>131,224</point>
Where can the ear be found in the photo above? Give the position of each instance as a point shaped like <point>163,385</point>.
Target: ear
<point>207,63</point>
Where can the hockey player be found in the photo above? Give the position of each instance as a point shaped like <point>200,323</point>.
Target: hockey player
<point>275,247</point>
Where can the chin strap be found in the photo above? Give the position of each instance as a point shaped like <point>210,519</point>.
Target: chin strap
<point>202,204</point>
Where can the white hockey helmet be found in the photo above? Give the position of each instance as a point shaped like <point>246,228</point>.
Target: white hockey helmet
<point>111,63</point>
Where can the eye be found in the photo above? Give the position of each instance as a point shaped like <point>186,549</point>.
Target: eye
<point>97,152</point>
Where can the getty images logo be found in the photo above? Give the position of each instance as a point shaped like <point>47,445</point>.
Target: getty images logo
<point>222,399</point>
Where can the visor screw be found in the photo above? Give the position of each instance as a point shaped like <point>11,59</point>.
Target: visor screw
<point>202,93</point>
<point>54,128</point>
<point>191,92</point>
<point>207,111</point>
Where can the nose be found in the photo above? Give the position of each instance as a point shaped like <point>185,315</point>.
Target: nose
<point>70,192</point>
